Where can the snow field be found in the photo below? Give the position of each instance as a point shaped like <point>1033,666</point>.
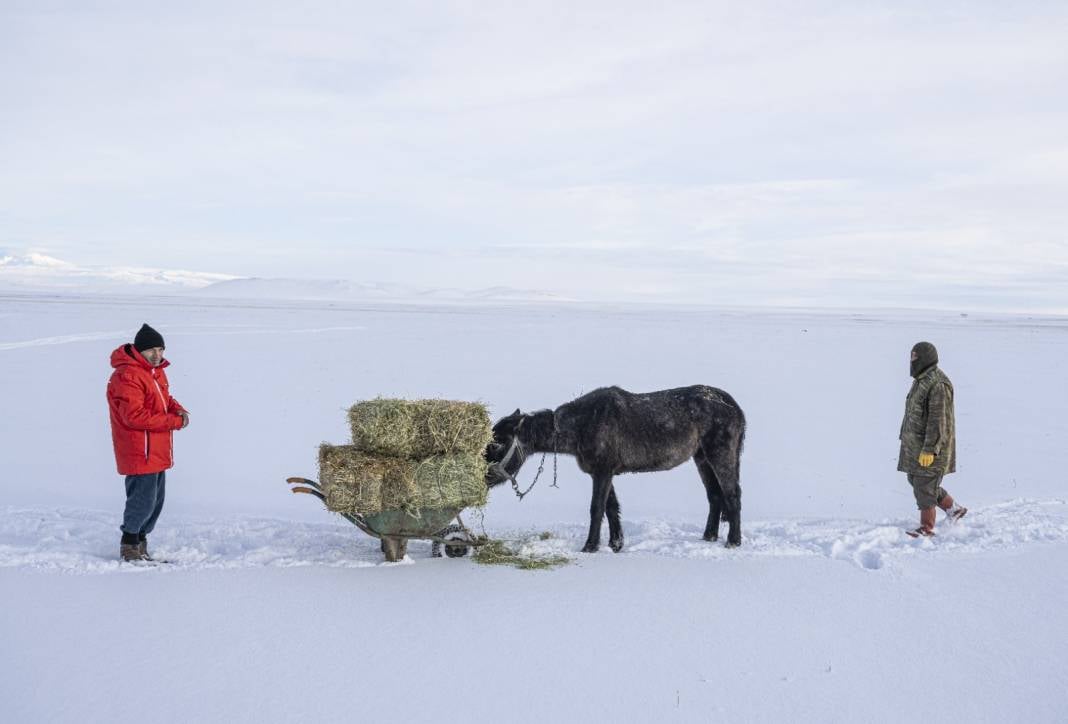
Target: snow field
<point>274,610</point>
<point>76,541</point>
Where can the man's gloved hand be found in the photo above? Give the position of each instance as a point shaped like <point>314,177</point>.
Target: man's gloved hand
<point>925,459</point>
<point>185,419</point>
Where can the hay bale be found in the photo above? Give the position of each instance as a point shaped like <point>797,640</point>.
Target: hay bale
<point>450,481</point>
<point>418,429</point>
<point>354,481</point>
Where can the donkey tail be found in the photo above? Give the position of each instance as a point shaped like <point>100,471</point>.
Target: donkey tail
<point>728,401</point>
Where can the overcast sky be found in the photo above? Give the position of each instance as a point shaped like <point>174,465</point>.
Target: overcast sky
<point>829,153</point>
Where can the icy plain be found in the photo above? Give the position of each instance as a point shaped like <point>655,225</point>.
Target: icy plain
<point>275,610</point>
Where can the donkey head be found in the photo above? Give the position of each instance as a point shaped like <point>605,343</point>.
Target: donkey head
<point>505,453</point>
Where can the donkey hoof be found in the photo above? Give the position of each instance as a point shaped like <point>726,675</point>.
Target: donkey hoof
<point>616,545</point>
<point>733,543</point>
<point>590,548</point>
<point>711,538</point>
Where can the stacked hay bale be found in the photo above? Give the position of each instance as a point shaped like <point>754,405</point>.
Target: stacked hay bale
<point>408,455</point>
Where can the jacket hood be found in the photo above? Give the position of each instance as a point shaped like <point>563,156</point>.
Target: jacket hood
<point>127,355</point>
<point>926,357</point>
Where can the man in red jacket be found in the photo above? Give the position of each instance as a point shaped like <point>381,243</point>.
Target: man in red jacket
<point>144,417</point>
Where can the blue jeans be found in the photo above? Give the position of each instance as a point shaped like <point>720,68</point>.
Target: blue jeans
<point>144,501</point>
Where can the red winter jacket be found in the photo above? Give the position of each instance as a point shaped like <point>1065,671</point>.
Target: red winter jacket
<point>143,413</point>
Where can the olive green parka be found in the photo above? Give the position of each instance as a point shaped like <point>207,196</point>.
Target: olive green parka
<point>929,425</point>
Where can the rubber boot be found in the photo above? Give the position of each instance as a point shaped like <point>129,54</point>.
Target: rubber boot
<point>927,520</point>
<point>953,511</point>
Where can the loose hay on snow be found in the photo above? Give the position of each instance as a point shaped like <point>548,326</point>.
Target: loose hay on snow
<point>499,553</point>
<point>354,481</point>
<point>418,429</point>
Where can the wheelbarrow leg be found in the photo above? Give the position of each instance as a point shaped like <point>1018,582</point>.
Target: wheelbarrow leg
<point>394,548</point>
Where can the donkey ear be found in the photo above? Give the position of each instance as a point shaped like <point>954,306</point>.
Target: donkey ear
<point>517,413</point>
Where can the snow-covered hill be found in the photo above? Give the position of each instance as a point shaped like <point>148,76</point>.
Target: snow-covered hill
<point>34,271</point>
<point>344,290</point>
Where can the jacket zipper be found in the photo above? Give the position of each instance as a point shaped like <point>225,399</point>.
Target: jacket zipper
<point>163,400</point>
<point>160,391</point>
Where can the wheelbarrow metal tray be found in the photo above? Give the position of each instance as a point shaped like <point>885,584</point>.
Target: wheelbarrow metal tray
<point>426,522</point>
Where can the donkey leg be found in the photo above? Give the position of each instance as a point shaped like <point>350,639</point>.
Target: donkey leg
<point>615,527</point>
<point>723,461</point>
<point>732,498</point>
<point>715,498</point>
<point>602,486</point>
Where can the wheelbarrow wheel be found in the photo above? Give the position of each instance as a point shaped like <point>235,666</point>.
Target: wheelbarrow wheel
<point>457,533</point>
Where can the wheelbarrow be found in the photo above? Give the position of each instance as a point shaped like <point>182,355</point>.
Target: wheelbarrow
<point>394,528</point>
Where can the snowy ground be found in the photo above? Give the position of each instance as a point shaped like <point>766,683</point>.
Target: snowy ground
<point>273,610</point>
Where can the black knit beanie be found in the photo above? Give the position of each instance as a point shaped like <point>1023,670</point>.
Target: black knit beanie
<point>926,356</point>
<point>147,338</point>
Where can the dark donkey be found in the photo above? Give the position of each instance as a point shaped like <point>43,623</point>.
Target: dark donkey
<point>612,431</point>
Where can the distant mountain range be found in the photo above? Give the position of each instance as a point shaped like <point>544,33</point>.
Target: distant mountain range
<point>341,289</point>
<point>40,272</point>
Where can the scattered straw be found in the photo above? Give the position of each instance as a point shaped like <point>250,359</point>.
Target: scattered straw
<point>499,553</point>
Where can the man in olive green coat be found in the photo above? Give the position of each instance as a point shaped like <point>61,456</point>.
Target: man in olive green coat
<point>928,438</point>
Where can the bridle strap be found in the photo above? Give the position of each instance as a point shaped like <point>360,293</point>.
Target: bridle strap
<point>518,446</point>
<point>511,452</point>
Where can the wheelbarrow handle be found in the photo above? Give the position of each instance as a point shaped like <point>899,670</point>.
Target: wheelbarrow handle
<point>316,490</point>
<point>309,491</point>
<point>305,481</point>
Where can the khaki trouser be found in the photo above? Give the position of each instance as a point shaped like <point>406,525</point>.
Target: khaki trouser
<point>927,489</point>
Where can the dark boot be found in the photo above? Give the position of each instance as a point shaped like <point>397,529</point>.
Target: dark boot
<point>131,551</point>
<point>142,544</point>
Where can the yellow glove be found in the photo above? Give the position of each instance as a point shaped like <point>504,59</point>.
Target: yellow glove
<point>925,459</point>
